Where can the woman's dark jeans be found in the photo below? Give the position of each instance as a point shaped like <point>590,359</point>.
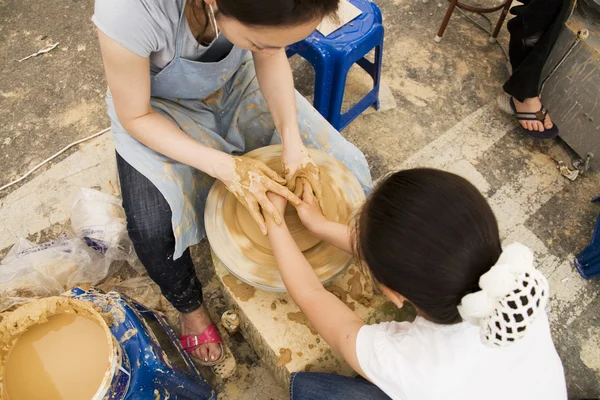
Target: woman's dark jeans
<point>151,231</point>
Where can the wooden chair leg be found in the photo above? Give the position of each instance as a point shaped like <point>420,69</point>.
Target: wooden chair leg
<point>500,21</point>
<point>451,7</point>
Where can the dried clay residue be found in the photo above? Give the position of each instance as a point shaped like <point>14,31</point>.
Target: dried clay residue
<point>214,99</point>
<point>355,287</point>
<point>128,335</point>
<point>300,318</point>
<point>285,356</point>
<point>341,294</point>
<point>241,290</point>
<point>159,396</point>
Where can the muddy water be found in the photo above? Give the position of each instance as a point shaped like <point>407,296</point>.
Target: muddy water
<point>64,358</point>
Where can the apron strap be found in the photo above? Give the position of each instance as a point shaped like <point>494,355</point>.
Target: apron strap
<point>179,35</point>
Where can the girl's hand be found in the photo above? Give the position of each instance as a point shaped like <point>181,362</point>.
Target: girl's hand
<point>309,211</point>
<point>250,180</point>
<point>300,170</point>
<point>278,202</point>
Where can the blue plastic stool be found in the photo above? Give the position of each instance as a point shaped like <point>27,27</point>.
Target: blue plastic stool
<point>588,261</point>
<point>153,374</point>
<point>333,55</point>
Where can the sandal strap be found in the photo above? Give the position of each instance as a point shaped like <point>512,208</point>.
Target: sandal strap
<point>210,335</point>
<point>533,116</point>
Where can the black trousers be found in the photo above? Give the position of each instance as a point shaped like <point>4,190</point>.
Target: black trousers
<point>151,231</point>
<point>533,32</point>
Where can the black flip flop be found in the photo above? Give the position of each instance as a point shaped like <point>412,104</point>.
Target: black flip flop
<point>535,116</point>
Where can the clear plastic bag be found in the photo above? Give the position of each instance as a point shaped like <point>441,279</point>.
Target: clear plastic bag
<point>32,271</point>
<point>99,220</point>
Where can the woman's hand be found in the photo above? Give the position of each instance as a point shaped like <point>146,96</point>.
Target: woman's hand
<point>300,171</point>
<point>250,180</point>
<point>309,211</point>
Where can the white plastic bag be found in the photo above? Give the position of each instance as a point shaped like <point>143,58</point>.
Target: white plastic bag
<point>99,220</point>
<point>32,271</point>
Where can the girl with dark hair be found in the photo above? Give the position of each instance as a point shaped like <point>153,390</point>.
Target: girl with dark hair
<point>430,238</point>
<point>193,86</point>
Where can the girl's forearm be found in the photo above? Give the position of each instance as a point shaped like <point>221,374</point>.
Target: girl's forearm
<point>329,316</point>
<point>164,137</point>
<point>336,234</point>
<point>297,274</point>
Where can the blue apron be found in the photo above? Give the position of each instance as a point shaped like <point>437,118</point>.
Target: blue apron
<point>220,105</point>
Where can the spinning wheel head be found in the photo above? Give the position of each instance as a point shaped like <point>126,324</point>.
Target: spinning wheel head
<point>237,241</point>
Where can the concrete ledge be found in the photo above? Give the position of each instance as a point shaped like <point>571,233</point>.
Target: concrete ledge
<point>279,332</point>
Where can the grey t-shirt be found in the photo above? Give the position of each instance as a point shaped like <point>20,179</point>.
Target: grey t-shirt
<point>148,28</point>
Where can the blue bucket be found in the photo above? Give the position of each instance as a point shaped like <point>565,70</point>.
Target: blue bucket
<point>117,378</point>
<point>152,363</point>
<point>117,375</point>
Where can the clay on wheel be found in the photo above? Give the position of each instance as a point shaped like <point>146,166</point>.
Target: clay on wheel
<point>238,243</point>
<point>301,235</point>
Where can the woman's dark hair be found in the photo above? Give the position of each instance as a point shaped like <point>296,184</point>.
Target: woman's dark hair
<point>428,235</point>
<point>276,12</point>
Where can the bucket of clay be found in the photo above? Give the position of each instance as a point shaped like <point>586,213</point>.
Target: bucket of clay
<point>60,348</point>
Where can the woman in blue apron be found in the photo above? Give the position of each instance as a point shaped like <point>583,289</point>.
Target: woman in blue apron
<point>193,86</point>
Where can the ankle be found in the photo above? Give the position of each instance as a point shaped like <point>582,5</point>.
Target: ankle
<point>530,100</point>
<point>193,314</point>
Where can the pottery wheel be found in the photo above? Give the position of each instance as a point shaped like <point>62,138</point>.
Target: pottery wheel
<point>237,241</point>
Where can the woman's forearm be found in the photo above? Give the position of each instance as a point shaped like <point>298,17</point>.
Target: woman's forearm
<point>164,137</point>
<point>128,77</point>
<point>276,83</point>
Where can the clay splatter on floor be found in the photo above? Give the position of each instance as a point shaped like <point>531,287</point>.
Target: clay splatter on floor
<point>285,356</point>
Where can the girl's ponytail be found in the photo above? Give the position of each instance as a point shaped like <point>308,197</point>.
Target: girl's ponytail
<point>513,293</point>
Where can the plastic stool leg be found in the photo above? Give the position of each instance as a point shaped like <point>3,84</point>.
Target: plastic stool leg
<point>340,121</point>
<point>373,69</point>
<point>324,76</point>
<point>337,97</point>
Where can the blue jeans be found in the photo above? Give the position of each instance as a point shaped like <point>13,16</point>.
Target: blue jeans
<point>321,386</point>
<point>150,230</point>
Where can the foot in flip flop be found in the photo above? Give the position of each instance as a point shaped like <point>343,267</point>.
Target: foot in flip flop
<point>199,337</point>
<point>533,117</point>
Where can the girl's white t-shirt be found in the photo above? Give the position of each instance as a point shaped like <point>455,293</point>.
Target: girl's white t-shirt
<point>427,361</point>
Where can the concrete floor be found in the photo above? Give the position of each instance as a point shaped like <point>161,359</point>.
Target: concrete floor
<point>444,117</point>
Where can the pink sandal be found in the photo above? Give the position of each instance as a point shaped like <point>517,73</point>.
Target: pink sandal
<point>192,342</point>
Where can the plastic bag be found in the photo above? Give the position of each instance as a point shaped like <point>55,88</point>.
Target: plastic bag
<point>32,271</point>
<point>99,220</point>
